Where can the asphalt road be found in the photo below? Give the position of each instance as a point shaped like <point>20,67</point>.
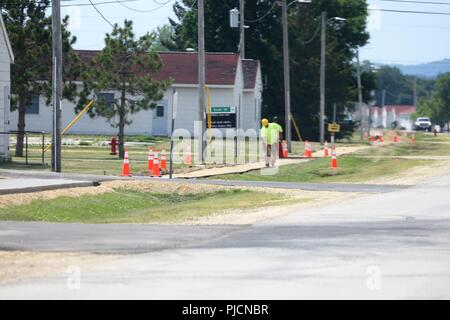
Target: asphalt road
<point>387,245</point>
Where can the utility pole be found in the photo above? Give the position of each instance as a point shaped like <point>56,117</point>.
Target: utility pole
<point>322,78</point>
<point>287,81</point>
<point>360,102</point>
<point>383,98</point>
<point>242,29</point>
<point>56,84</point>
<point>201,77</point>
<point>415,91</point>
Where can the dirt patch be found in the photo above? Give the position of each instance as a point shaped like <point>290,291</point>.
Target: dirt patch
<point>302,199</point>
<point>21,265</point>
<point>415,175</point>
<point>105,187</point>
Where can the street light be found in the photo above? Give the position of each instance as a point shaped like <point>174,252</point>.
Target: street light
<point>322,72</point>
<point>287,84</point>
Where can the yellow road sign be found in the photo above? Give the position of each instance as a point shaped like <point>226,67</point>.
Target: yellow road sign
<point>334,127</point>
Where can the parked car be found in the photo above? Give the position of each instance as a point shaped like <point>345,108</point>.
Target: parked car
<point>422,124</point>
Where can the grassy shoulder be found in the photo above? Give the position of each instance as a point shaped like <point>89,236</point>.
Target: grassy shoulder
<point>351,169</point>
<point>129,206</point>
<point>420,148</point>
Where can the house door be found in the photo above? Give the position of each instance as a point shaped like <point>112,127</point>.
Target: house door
<point>160,119</point>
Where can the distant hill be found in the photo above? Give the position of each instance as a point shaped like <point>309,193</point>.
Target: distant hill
<point>429,70</point>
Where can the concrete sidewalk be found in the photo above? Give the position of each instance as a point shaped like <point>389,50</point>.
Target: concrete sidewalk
<point>17,185</point>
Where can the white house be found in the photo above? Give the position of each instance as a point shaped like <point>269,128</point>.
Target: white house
<point>232,83</point>
<point>253,87</point>
<point>6,59</point>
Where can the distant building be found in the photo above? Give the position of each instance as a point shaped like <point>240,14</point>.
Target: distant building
<point>6,59</point>
<point>388,115</point>
<point>235,85</point>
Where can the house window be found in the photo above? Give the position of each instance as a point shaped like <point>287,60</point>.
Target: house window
<point>107,99</point>
<point>160,111</point>
<point>33,106</point>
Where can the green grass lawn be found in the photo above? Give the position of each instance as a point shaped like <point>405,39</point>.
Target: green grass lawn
<point>125,206</point>
<point>424,136</point>
<point>351,169</point>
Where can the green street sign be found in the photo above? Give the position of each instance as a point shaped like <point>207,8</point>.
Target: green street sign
<point>223,110</point>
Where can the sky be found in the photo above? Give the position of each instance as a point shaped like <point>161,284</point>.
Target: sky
<point>395,38</point>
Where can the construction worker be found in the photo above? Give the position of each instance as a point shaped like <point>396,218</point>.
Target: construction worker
<point>269,136</point>
<point>279,130</point>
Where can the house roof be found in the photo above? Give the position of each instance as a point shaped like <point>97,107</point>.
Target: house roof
<point>5,34</point>
<point>182,67</point>
<point>399,109</point>
<point>250,71</point>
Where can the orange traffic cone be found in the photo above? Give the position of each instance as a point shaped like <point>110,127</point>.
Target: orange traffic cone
<point>150,159</point>
<point>126,165</point>
<point>308,152</point>
<point>163,160</point>
<point>333,159</point>
<point>413,138</point>
<point>325,150</point>
<point>188,156</point>
<point>285,149</point>
<point>155,171</point>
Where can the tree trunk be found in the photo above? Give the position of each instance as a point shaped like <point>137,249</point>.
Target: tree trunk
<point>122,126</point>
<point>20,127</point>
<point>122,135</point>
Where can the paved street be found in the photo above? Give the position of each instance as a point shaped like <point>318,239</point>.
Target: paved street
<point>390,245</point>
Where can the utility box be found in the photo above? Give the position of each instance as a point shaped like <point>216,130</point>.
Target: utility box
<point>234,18</point>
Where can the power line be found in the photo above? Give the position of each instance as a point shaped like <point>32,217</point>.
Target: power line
<point>104,18</point>
<point>413,12</point>
<point>419,2</point>
<point>95,3</point>
<point>161,5</point>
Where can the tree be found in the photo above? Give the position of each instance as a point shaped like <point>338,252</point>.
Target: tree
<point>399,88</point>
<point>30,33</point>
<point>264,42</point>
<point>437,107</point>
<point>124,65</point>
<point>164,39</point>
